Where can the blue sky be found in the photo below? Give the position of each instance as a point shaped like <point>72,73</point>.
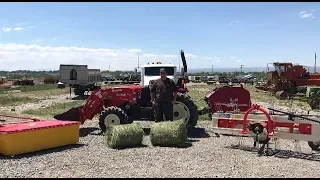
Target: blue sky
<point>43,35</point>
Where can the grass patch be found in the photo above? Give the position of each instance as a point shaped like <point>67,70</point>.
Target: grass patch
<point>10,100</point>
<point>197,93</point>
<point>47,93</point>
<point>40,87</point>
<point>41,91</point>
<point>261,96</point>
<point>54,109</point>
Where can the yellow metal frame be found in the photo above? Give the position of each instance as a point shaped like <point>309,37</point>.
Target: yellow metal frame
<point>30,141</point>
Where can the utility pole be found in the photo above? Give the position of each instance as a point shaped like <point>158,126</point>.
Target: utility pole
<point>315,62</point>
<point>138,59</point>
<point>241,67</point>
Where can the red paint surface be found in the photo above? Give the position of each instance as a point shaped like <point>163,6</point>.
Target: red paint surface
<point>227,95</point>
<point>30,126</point>
<point>231,123</point>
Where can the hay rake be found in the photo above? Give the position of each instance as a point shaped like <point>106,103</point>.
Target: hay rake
<point>264,126</point>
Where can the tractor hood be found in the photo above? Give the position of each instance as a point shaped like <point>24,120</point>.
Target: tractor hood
<point>147,79</point>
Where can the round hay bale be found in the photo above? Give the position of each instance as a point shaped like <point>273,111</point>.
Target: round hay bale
<point>168,134</point>
<point>125,135</point>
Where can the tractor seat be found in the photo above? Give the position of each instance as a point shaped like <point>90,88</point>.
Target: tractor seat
<point>145,97</point>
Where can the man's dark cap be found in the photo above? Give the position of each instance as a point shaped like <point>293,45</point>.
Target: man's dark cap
<point>163,70</point>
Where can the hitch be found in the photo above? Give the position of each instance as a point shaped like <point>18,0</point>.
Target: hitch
<point>205,110</point>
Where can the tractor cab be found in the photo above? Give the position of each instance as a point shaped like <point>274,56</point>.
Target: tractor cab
<point>289,70</point>
<point>151,72</point>
<point>282,67</point>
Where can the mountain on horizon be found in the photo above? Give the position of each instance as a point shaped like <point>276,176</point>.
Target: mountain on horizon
<point>199,70</point>
<point>244,69</point>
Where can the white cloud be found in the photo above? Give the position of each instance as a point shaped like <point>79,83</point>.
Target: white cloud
<point>38,40</point>
<point>6,29</point>
<point>236,22</point>
<point>18,29</point>
<point>238,61</point>
<point>306,15</point>
<point>134,50</point>
<point>36,57</point>
<point>235,59</point>
<point>22,24</point>
<point>4,53</point>
<point>217,59</point>
<point>190,56</point>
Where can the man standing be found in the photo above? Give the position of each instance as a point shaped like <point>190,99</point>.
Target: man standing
<point>163,96</point>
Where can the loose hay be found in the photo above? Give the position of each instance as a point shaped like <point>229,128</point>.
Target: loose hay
<point>170,134</point>
<point>126,135</point>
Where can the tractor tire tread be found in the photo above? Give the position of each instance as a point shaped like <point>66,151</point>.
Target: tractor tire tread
<point>313,146</point>
<point>314,101</point>
<point>184,98</point>
<point>112,110</point>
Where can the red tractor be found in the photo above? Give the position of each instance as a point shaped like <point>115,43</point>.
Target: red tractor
<point>124,104</point>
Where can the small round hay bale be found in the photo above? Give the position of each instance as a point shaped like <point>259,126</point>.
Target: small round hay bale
<point>168,134</point>
<point>125,135</point>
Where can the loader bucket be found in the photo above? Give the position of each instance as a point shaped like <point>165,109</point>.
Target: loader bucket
<point>72,114</point>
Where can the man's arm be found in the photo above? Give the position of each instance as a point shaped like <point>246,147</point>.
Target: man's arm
<point>153,91</point>
<point>175,90</point>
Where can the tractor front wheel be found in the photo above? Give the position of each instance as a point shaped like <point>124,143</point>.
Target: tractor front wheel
<point>112,116</point>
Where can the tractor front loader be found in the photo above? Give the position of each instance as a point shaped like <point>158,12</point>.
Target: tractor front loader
<point>124,104</point>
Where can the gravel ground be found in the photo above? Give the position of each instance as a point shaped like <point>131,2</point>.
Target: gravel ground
<point>206,156</point>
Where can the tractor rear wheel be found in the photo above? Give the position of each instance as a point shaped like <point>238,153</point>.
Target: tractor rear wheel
<point>314,145</point>
<point>314,101</point>
<point>185,108</point>
<point>112,116</point>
